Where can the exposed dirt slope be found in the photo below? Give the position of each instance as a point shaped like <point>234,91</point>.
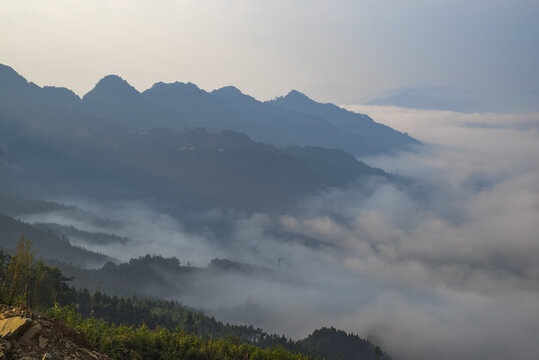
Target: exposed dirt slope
<point>28,335</point>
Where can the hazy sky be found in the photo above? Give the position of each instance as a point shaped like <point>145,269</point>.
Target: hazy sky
<point>334,50</point>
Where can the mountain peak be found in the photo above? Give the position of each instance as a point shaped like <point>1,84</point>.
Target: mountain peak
<point>295,96</point>
<point>173,91</point>
<point>231,92</point>
<point>294,92</point>
<point>228,91</point>
<point>114,82</point>
<point>113,85</point>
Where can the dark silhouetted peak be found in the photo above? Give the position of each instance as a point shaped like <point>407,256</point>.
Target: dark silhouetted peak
<point>113,85</point>
<point>186,99</point>
<point>173,90</point>
<point>114,82</point>
<point>296,96</point>
<point>228,90</point>
<point>231,93</point>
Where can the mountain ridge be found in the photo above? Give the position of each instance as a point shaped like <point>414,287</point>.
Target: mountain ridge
<point>346,120</point>
<point>179,105</point>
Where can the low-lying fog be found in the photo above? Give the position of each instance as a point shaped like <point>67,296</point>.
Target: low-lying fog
<point>442,266</point>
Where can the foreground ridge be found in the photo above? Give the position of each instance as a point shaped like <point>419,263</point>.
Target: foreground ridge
<point>27,334</point>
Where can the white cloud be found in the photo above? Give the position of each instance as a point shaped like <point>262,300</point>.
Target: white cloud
<point>444,267</point>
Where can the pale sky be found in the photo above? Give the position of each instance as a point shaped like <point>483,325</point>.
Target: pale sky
<point>332,50</point>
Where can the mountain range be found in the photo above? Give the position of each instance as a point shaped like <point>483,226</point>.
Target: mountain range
<point>292,120</point>
<point>178,146</point>
<point>181,151</point>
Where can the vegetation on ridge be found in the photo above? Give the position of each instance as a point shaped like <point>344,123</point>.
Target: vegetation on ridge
<point>156,329</point>
<point>129,342</point>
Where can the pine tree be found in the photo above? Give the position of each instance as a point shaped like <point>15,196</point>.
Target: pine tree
<point>17,278</point>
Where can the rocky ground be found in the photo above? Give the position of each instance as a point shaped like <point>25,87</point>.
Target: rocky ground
<point>28,335</point>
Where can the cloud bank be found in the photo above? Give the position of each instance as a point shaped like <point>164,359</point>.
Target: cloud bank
<point>440,265</point>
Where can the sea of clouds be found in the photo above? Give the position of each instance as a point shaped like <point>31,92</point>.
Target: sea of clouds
<point>440,264</point>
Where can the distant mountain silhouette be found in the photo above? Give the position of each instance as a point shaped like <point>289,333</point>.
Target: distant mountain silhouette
<point>233,94</point>
<point>286,121</point>
<point>432,97</point>
<point>346,120</point>
<point>115,99</point>
<point>429,97</point>
<point>15,88</point>
<point>51,148</point>
<point>178,105</point>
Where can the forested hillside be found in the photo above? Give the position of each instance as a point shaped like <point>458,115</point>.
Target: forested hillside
<point>157,327</point>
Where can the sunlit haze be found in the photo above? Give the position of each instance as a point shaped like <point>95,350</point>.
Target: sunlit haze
<point>296,180</point>
<point>339,51</point>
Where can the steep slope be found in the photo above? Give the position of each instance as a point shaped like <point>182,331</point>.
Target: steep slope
<point>16,89</point>
<point>281,126</point>
<point>347,120</point>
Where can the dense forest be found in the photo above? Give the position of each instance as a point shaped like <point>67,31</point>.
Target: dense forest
<point>148,328</point>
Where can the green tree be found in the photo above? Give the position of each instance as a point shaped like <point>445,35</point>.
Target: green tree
<point>16,284</point>
<point>25,281</point>
<point>190,323</point>
<point>48,286</point>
